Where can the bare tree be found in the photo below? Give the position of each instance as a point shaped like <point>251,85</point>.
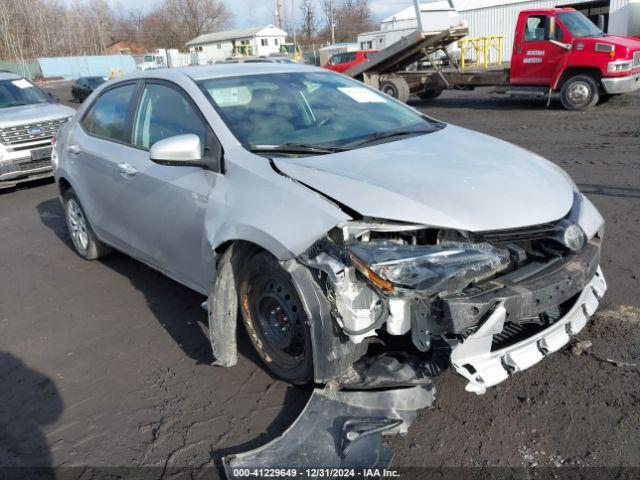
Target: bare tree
<point>309,23</point>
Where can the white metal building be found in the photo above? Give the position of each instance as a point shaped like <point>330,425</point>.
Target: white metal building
<point>498,17</point>
<point>263,40</point>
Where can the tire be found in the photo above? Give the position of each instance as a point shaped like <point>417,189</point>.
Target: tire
<point>275,319</point>
<point>83,238</point>
<point>396,87</point>
<point>580,93</point>
<point>430,93</point>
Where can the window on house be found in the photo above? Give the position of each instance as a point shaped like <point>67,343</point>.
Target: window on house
<point>219,46</point>
<point>275,41</point>
<point>264,42</point>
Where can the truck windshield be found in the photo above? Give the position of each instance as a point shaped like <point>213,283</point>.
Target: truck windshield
<point>317,110</point>
<point>18,92</point>
<point>579,25</point>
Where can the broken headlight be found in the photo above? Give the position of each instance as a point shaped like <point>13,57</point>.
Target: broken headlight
<point>443,268</point>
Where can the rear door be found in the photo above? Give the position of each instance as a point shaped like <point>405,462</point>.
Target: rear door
<point>534,58</point>
<point>96,145</point>
<point>166,205</point>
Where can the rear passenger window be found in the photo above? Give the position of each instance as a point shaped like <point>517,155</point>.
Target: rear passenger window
<point>107,117</point>
<point>164,112</point>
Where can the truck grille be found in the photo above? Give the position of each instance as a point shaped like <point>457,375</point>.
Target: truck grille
<point>30,132</point>
<point>636,60</point>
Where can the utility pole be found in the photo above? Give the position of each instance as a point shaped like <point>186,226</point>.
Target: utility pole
<point>333,23</point>
<point>416,4</point>
<point>293,26</point>
<point>277,14</point>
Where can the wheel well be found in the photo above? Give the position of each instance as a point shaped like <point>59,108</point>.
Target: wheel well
<point>595,73</point>
<point>244,246</point>
<point>63,186</point>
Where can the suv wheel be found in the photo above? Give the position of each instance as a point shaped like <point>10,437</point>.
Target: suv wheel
<point>275,319</point>
<point>82,236</point>
<point>580,93</point>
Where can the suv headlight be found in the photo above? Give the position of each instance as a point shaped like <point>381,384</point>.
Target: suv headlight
<point>619,66</point>
<point>443,268</point>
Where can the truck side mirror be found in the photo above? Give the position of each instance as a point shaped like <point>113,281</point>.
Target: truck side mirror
<point>600,22</point>
<point>550,28</point>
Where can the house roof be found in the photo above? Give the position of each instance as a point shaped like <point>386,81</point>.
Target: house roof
<point>234,34</point>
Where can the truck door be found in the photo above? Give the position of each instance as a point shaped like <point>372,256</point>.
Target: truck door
<point>535,57</point>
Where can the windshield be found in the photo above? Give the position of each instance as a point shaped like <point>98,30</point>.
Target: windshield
<point>95,82</point>
<point>579,25</point>
<point>18,92</point>
<point>320,109</point>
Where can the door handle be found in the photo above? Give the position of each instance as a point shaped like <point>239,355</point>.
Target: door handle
<point>127,169</point>
<point>74,149</point>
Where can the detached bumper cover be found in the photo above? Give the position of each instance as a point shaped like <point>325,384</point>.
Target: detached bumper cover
<point>474,360</point>
<point>617,85</point>
<point>338,429</point>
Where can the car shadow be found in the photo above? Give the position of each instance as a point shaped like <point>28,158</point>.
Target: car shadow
<point>28,401</point>
<point>176,307</point>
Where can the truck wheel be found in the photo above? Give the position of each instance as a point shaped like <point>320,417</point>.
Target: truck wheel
<point>275,319</point>
<point>82,236</point>
<point>580,93</point>
<point>396,87</point>
<point>430,93</point>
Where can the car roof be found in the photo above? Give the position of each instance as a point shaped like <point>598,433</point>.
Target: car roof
<point>222,70</point>
<point>6,75</point>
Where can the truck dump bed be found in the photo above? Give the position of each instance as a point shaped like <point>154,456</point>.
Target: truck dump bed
<point>410,49</point>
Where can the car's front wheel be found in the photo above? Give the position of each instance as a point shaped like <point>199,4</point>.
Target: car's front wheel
<point>83,238</point>
<point>275,319</point>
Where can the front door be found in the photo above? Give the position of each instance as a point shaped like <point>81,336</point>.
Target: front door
<point>166,205</point>
<point>535,58</point>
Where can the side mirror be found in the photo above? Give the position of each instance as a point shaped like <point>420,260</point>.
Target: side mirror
<point>601,22</point>
<point>550,28</point>
<point>180,150</point>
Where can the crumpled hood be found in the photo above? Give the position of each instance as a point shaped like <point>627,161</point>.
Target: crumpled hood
<point>453,178</point>
<point>33,113</point>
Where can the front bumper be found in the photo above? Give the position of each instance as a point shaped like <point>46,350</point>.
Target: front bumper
<point>618,85</point>
<point>474,360</point>
<point>21,169</point>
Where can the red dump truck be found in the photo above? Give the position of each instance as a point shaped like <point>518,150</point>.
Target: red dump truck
<point>555,50</point>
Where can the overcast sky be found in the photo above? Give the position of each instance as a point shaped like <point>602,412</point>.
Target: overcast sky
<point>257,12</point>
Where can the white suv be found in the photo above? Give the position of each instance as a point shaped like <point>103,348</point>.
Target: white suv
<point>29,118</point>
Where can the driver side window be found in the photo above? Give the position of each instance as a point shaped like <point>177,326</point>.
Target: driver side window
<point>164,112</point>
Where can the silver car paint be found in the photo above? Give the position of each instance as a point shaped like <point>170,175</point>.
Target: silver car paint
<point>173,218</point>
<point>454,178</point>
<point>37,112</point>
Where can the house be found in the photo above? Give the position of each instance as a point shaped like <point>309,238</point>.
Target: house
<point>498,17</point>
<point>263,40</point>
<point>124,47</point>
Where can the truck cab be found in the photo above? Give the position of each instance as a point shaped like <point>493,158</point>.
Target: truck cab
<point>562,50</point>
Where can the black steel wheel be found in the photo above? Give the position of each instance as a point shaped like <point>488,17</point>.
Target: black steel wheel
<point>275,319</point>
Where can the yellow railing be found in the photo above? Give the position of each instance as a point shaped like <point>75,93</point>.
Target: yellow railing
<point>478,51</point>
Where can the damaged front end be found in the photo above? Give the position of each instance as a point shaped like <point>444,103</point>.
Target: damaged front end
<point>412,299</point>
<point>393,305</point>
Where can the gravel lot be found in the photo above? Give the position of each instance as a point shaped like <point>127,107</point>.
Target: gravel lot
<point>106,363</point>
